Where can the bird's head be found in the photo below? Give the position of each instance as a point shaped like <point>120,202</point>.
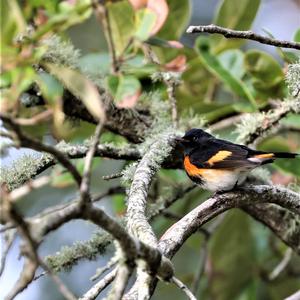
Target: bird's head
<point>192,139</point>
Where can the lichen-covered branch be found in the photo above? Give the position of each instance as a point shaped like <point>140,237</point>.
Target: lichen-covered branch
<point>247,35</point>
<point>255,127</point>
<point>28,142</point>
<point>173,239</point>
<point>29,166</point>
<point>137,222</point>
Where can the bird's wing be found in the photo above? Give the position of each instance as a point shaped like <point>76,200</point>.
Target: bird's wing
<point>220,154</point>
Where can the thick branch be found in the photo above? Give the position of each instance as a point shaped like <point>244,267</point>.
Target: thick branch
<point>173,239</point>
<point>130,123</point>
<point>238,34</point>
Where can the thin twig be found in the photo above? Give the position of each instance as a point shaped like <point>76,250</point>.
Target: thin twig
<point>9,238</point>
<point>102,16</point>
<point>282,265</point>
<point>120,281</point>
<point>41,117</point>
<point>85,182</point>
<point>32,260</point>
<point>112,176</point>
<point>238,34</point>
<point>184,288</point>
<point>28,187</point>
<point>96,289</point>
<point>107,267</point>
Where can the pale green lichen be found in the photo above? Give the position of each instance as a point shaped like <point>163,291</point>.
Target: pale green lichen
<point>293,79</point>
<point>60,52</point>
<point>158,145</point>
<point>248,125</point>
<point>63,53</point>
<point>69,256</point>
<point>23,169</point>
<point>190,120</point>
<point>127,174</point>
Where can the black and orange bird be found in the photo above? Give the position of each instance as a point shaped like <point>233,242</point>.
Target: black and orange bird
<point>218,165</point>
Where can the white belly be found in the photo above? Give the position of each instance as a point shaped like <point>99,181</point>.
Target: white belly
<point>222,180</point>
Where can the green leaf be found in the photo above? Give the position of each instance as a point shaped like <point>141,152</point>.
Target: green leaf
<point>264,68</point>
<point>214,66</point>
<point>12,21</point>
<point>138,67</point>
<point>234,14</point>
<point>125,89</point>
<point>297,36</point>
<point>95,63</point>
<point>292,121</point>
<point>178,18</point>
<point>267,75</point>
<point>145,21</point>
<point>155,41</point>
<point>81,87</point>
<point>50,87</point>
<point>65,18</point>
<point>290,57</point>
<point>233,62</point>
<point>119,203</point>
<point>18,79</point>
<point>121,16</point>
<point>232,256</point>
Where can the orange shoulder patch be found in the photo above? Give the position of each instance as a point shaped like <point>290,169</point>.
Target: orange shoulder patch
<point>191,169</point>
<point>219,156</point>
<point>266,155</point>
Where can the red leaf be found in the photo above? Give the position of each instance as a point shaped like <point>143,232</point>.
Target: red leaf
<point>161,9</point>
<point>41,17</point>
<point>129,101</point>
<point>137,4</point>
<point>175,44</point>
<point>178,64</point>
<point>158,7</point>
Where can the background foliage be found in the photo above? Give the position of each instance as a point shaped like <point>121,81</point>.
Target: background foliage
<point>215,78</point>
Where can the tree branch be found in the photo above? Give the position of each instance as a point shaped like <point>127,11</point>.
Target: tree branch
<point>238,34</point>
<point>28,142</point>
<point>172,240</point>
<point>85,182</point>
<point>184,288</point>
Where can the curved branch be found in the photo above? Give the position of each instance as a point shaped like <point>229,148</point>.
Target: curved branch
<point>247,35</point>
<point>174,238</point>
<point>137,222</point>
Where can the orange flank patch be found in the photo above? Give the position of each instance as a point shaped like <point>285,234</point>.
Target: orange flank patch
<point>266,155</point>
<point>191,169</point>
<point>221,155</point>
<point>213,177</point>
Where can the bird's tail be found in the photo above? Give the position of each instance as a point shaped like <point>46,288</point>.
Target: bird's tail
<point>266,157</point>
<point>285,155</point>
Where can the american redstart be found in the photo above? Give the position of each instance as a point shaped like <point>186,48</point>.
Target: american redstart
<point>218,165</point>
